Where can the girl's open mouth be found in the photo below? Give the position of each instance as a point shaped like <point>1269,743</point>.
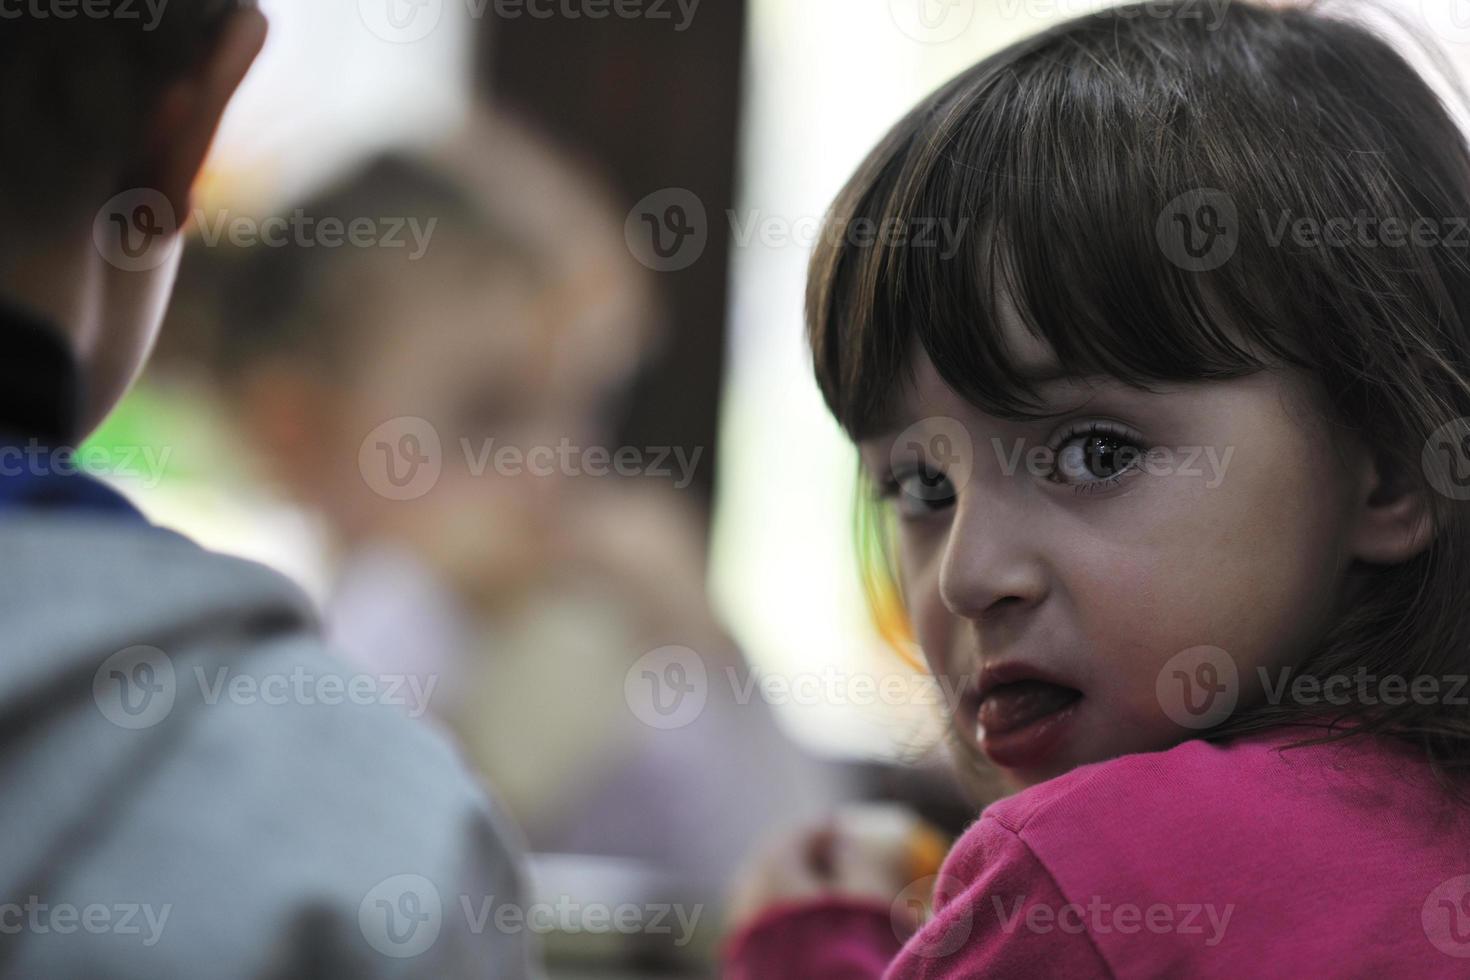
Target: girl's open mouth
<point>1018,724</point>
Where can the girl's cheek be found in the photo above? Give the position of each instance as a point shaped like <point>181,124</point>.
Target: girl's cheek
<point>934,629</point>
<point>934,625</point>
<point>935,635</point>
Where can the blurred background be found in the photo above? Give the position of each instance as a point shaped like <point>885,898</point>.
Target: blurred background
<point>490,333</point>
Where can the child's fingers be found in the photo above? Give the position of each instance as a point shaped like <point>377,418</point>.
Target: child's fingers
<point>782,870</point>
<point>871,851</point>
<point>874,850</point>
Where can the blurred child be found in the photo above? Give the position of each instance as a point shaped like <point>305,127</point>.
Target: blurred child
<point>525,582</point>
<point>1177,497</point>
<point>189,790</point>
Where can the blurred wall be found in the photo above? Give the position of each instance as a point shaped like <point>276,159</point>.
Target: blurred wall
<point>653,102</point>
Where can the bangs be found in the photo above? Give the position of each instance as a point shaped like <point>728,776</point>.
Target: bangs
<point>1088,186</point>
<point>1152,198</point>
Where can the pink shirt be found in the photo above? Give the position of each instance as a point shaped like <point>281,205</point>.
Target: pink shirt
<point>1204,860</point>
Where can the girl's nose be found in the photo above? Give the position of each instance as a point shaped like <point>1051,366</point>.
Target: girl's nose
<point>991,559</point>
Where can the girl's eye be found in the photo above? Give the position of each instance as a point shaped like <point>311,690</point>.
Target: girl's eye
<point>1098,455</point>
<point>918,491</point>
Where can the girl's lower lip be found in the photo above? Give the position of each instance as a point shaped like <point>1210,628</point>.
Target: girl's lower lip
<point>1028,746</point>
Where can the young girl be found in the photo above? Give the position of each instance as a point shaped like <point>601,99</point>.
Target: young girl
<point>1171,446</point>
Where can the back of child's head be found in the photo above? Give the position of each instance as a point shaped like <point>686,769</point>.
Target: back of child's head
<point>497,200</point>
<point>301,300</point>
<point>1133,184</point>
<point>77,94</point>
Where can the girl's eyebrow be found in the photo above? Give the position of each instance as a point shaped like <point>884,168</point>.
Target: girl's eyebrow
<point>897,417</point>
<point>1039,373</point>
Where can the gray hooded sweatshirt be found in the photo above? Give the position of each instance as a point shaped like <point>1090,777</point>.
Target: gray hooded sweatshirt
<point>192,787</point>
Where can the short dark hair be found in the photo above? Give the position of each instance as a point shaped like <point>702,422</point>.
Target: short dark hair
<point>296,301</point>
<point>498,193</point>
<point>76,91</point>
<point>1063,151</point>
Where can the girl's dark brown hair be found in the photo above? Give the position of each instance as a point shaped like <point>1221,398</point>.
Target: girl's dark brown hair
<point>1064,158</point>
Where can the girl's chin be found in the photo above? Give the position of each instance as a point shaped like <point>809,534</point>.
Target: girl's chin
<point>1053,747</point>
<point>1085,747</point>
<point>1081,734</point>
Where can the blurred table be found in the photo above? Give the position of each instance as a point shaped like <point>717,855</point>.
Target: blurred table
<point>603,918</point>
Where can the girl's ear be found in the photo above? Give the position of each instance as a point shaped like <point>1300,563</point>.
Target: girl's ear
<point>1394,522</point>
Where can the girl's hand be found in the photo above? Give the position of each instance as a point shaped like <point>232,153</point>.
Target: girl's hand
<point>880,852</point>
